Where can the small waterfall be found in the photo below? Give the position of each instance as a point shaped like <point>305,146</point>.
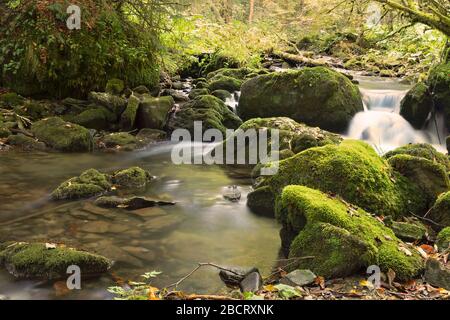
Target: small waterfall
<point>382,125</point>
<point>233,101</point>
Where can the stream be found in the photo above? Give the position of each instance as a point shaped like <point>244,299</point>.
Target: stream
<point>201,227</point>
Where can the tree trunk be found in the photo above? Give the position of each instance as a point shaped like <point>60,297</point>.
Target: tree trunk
<point>252,11</point>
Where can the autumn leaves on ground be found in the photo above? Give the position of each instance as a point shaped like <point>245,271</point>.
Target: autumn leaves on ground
<point>356,220</point>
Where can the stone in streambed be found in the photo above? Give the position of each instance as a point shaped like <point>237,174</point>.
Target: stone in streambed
<point>122,140</point>
<point>437,274</point>
<point>153,112</point>
<point>134,203</point>
<point>299,278</point>
<point>89,184</point>
<point>128,117</point>
<point>113,103</point>
<point>134,177</point>
<point>443,240</point>
<point>224,83</point>
<point>40,260</point>
<point>98,118</point>
<point>25,143</point>
<point>148,136</point>
<point>115,86</point>
<point>417,105</point>
<point>198,92</point>
<point>421,150</point>
<point>253,282</point>
<point>61,135</point>
<point>222,94</point>
<point>233,276</point>
<point>440,213</point>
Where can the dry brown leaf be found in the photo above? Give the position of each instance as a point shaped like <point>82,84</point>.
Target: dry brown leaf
<point>428,249</point>
<point>405,251</point>
<point>320,281</point>
<point>391,276</point>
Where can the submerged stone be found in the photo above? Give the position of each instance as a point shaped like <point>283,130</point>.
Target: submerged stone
<point>134,203</point>
<point>40,260</point>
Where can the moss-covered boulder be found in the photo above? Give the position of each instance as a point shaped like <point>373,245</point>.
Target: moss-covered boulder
<point>417,105</point>
<point>341,238</point>
<point>4,131</point>
<point>61,135</point>
<point>89,184</point>
<point>25,143</point>
<point>429,176</point>
<point>120,140</point>
<point>354,171</point>
<point>98,118</point>
<point>262,202</point>
<point>408,231</point>
<point>440,213</point>
<point>11,99</point>
<point>153,112</point>
<point>439,83</point>
<point>115,86</point>
<point>224,83</point>
<point>211,111</point>
<point>113,103</point>
<point>48,261</point>
<point>222,94</point>
<point>237,73</point>
<point>421,150</point>
<point>134,177</point>
<point>443,239</point>
<point>314,96</point>
<point>198,92</point>
<point>128,117</point>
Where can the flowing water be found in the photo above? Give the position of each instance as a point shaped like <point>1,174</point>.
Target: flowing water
<point>201,227</point>
<point>381,123</point>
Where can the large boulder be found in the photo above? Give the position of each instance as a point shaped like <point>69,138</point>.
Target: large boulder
<point>153,112</point>
<point>421,150</point>
<point>237,73</point>
<point>439,84</point>
<point>113,103</point>
<point>354,171</point>
<point>61,135</point>
<point>341,239</point>
<point>417,105</point>
<point>440,213</point>
<point>315,96</point>
<point>211,111</point>
<point>128,117</point>
<point>49,261</point>
<point>224,83</point>
<point>98,118</point>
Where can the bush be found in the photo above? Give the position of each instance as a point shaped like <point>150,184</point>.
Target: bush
<point>41,56</point>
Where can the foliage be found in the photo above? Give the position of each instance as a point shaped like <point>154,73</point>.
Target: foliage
<point>138,290</point>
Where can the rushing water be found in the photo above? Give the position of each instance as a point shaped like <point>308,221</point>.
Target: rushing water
<point>381,123</point>
<point>201,227</point>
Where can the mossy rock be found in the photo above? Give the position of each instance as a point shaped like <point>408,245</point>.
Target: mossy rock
<point>61,135</point>
<point>128,118</point>
<point>223,95</point>
<point>134,177</point>
<point>35,110</point>
<point>354,171</point>
<point>440,213</point>
<point>429,176</point>
<point>119,139</point>
<point>201,85</point>
<point>25,143</point>
<point>210,110</point>
<point>141,90</point>
<point>224,83</point>
<point>408,231</point>
<point>422,150</point>
<point>417,105</point>
<point>314,96</point>
<point>89,184</point>
<point>148,136</point>
<point>4,131</point>
<point>237,73</point>
<point>443,239</point>
<point>11,99</point>
<point>113,103</point>
<point>115,86</point>
<point>153,112</point>
<point>342,239</point>
<point>37,260</point>
<point>99,118</point>
<point>198,92</point>
<point>261,201</point>
<point>439,82</point>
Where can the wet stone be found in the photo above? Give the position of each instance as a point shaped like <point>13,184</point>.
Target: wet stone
<point>299,278</point>
<point>253,282</point>
<point>437,274</point>
<point>236,275</point>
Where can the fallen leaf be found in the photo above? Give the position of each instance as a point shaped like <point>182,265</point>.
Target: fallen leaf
<point>320,281</point>
<point>422,252</point>
<point>405,251</point>
<point>391,276</point>
<point>366,284</point>
<point>60,288</point>
<point>152,293</point>
<point>428,249</point>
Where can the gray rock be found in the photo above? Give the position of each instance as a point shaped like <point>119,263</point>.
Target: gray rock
<point>299,278</point>
<point>134,203</point>
<point>253,282</point>
<point>437,274</point>
<point>235,275</point>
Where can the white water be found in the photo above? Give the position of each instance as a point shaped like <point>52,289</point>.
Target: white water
<point>381,124</point>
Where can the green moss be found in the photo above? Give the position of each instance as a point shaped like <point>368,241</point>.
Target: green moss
<point>443,239</point>
<point>354,171</point>
<point>11,99</point>
<point>222,94</point>
<point>439,82</point>
<point>90,183</point>
<point>224,83</point>
<point>417,105</point>
<point>198,92</point>
<point>25,143</point>
<point>113,103</point>
<point>440,213</point>
<point>211,111</point>
<point>422,150</point>
<point>408,231</point>
<point>4,132</point>
<point>239,73</point>
<point>314,96</point>
<point>201,85</point>
<point>115,86</point>
<point>98,118</point>
<point>429,176</point>
<point>119,139</point>
<point>128,117</point>
<point>62,136</point>
<point>35,260</point>
<point>132,178</point>
<point>340,237</point>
